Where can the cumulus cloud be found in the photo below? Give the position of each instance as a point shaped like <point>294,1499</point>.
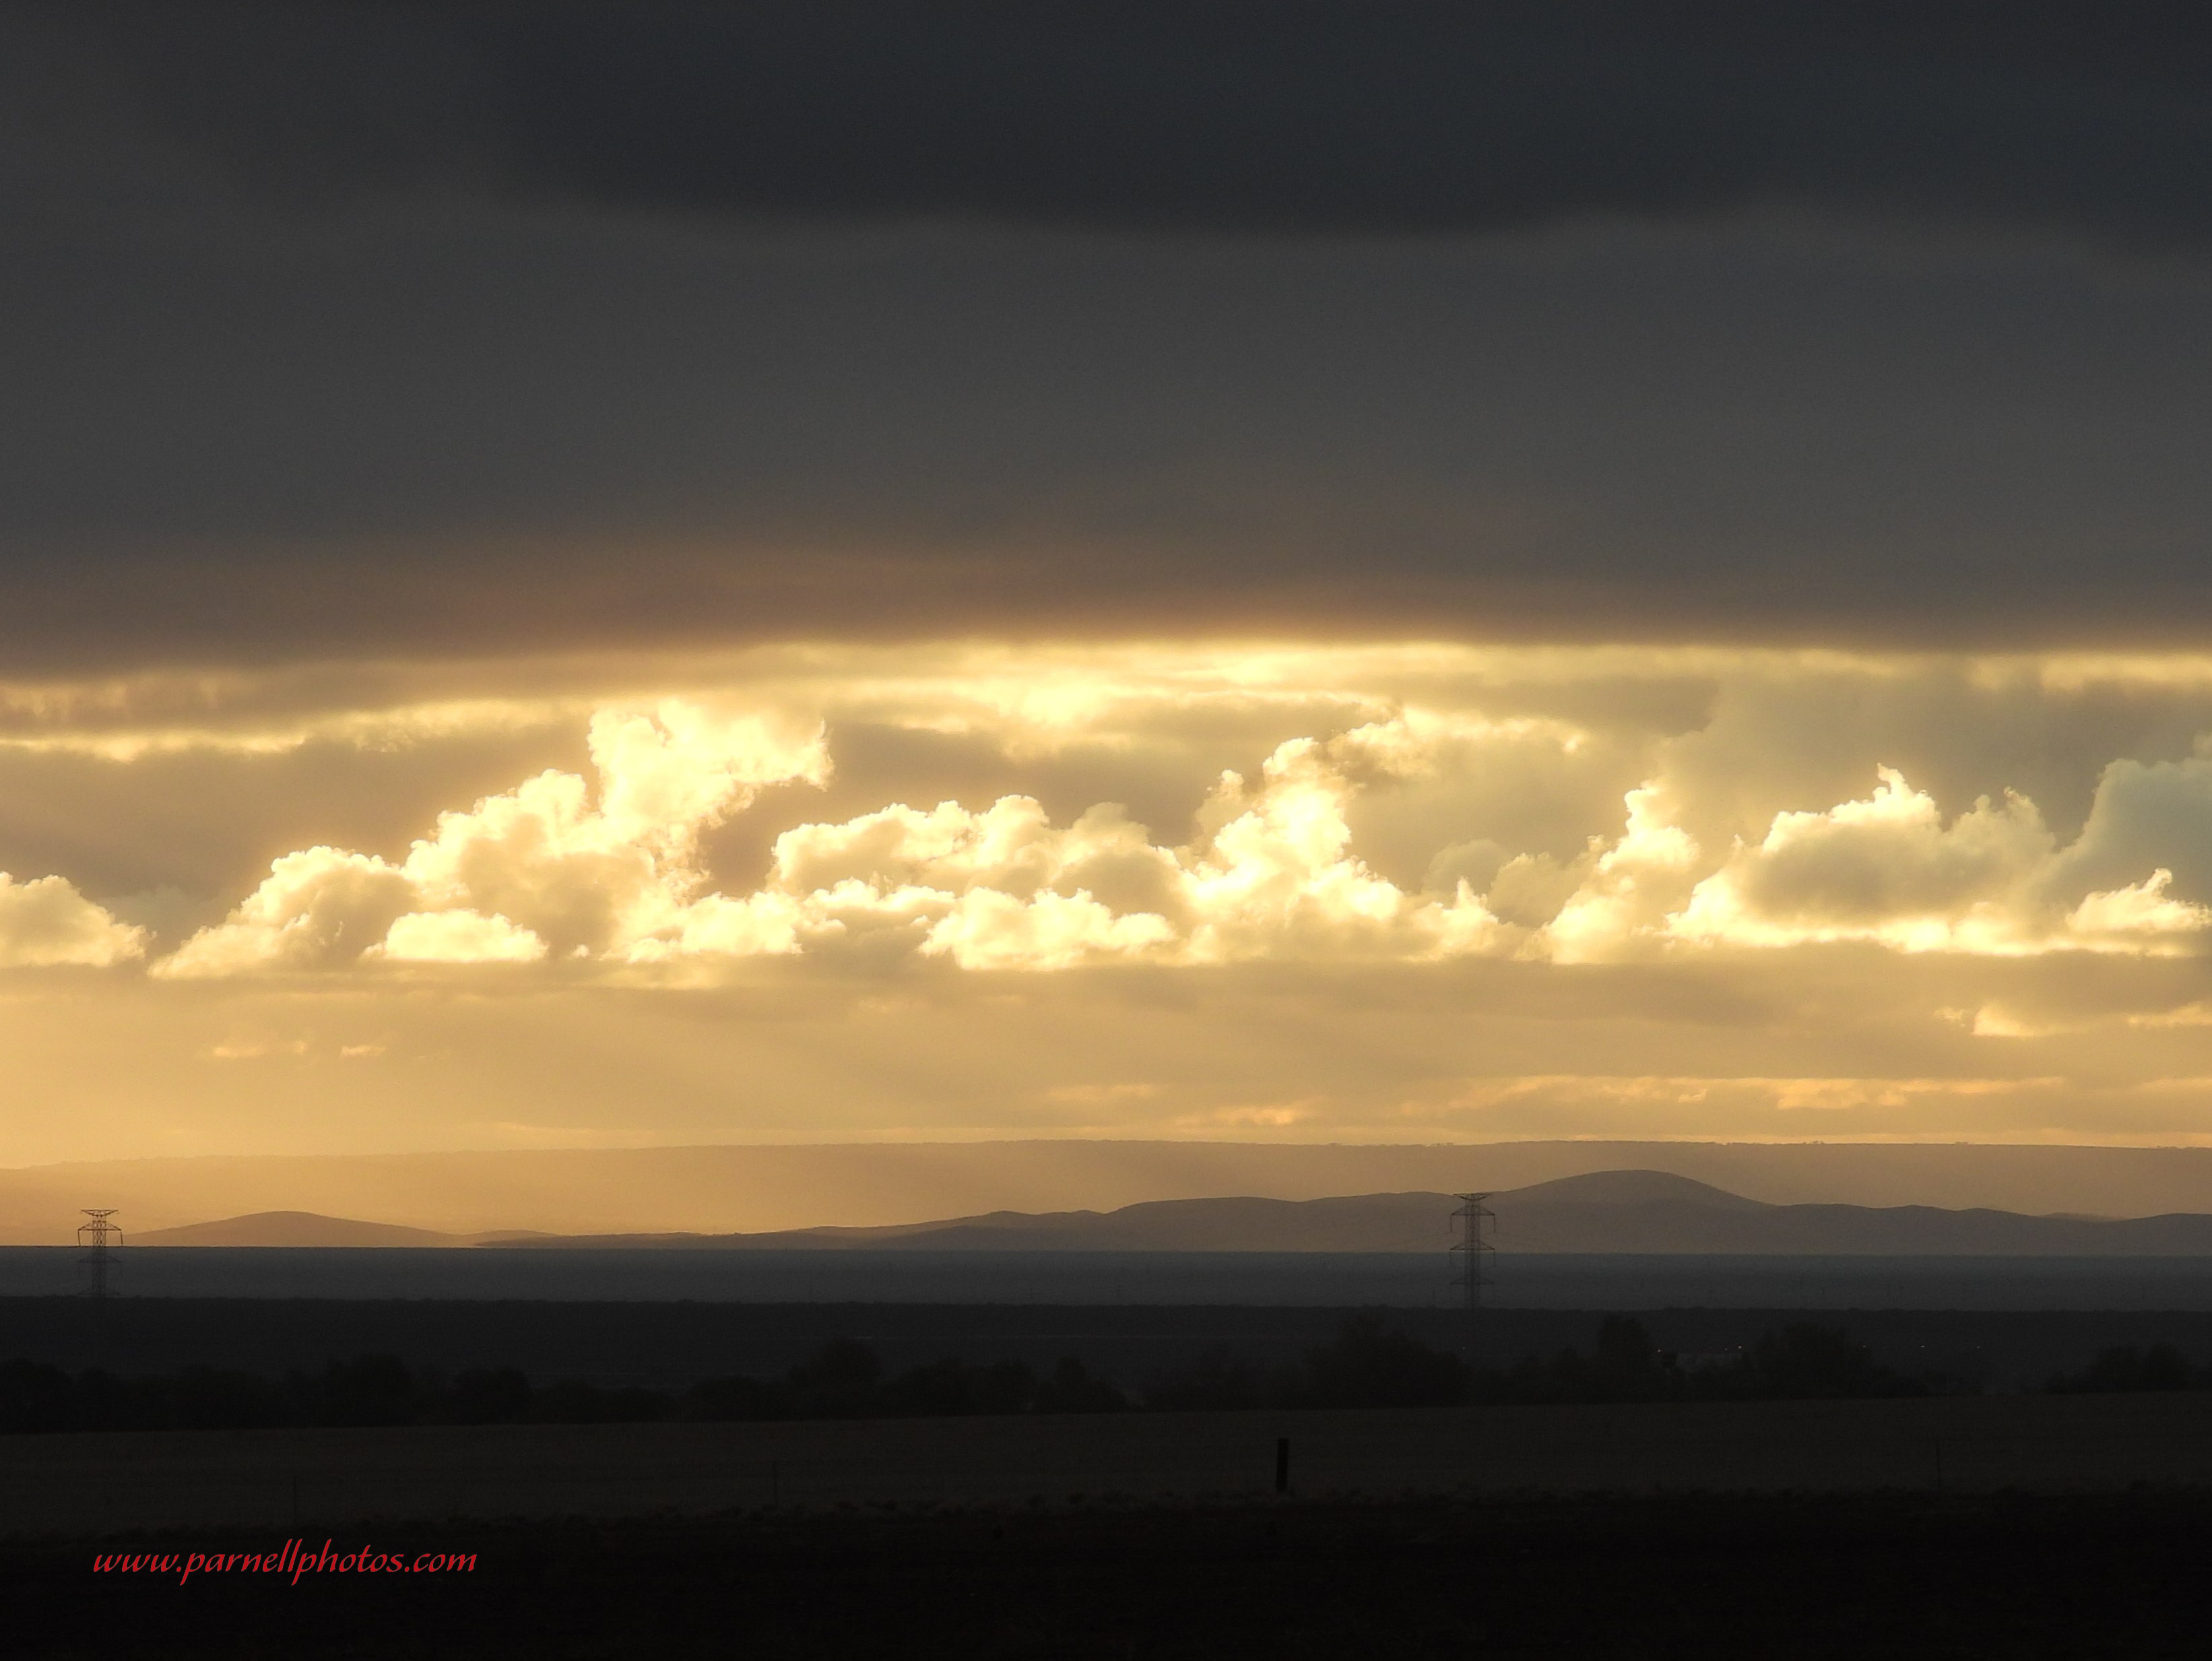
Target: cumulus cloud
<point>458,936</point>
<point>547,866</point>
<point>1885,868</point>
<point>2144,814</point>
<point>1356,929</point>
<point>988,930</point>
<point>1280,868</point>
<point>1632,885</point>
<point>45,923</point>
<point>1274,865</point>
<point>1271,874</point>
<point>999,887</point>
<point>318,908</point>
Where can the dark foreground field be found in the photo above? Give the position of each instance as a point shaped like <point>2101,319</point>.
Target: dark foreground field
<point>262,1480</point>
<point>1888,1575</point>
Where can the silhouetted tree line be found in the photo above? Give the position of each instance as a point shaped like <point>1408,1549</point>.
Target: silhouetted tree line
<point>843,1380</point>
<point>2128,1368</point>
<point>1369,1364</point>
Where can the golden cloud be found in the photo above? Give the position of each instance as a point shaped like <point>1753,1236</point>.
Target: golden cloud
<point>1477,775</point>
<point>1382,892</point>
<point>45,923</point>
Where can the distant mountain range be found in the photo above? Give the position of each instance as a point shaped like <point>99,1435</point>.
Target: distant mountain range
<point>1611,1211</point>
<point>307,1228</point>
<point>755,1187</point>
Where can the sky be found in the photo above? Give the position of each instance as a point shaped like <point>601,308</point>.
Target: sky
<point>590,576</point>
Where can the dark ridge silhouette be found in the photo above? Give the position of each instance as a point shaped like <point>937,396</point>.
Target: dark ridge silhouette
<point>1603,1212</point>
<point>308,1228</point>
<point>294,1228</point>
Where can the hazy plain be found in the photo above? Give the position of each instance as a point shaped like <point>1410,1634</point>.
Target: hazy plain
<point>1399,1279</point>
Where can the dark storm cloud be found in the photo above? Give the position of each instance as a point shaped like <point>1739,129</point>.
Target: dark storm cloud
<point>1279,115</point>
<point>330,331</point>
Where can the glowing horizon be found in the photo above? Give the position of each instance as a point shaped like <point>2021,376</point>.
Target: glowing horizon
<point>963,890</point>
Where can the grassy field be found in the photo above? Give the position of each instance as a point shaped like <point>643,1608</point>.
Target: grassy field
<point>71,1484</point>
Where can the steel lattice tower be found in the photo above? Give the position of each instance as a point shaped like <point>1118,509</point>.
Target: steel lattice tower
<point>96,1237</point>
<point>1472,1251</point>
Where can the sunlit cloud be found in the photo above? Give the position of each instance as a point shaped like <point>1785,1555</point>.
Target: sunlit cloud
<point>257,1050</point>
<point>548,867</point>
<point>1390,891</point>
<point>404,728</point>
<point>45,923</point>
<point>456,936</point>
<point>611,871</point>
<point>542,866</point>
<point>1887,868</point>
<point>1634,887</point>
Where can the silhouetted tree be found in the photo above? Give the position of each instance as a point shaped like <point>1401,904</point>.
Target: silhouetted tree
<point>490,1396</point>
<point>370,1390</point>
<point>36,1397</point>
<point>1213,1383</point>
<point>1805,1361</point>
<point>837,1382</point>
<point>2160,1368</point>
<point>735,1398</point>
<point>1070,1388</point>
<point>572,1401</point>
<point>1368,1365</point>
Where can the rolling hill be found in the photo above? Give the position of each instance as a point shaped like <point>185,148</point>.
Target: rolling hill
<point>305,1228</point>
<point>1611,1211</point>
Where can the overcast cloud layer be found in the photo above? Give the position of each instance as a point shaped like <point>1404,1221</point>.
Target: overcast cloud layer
<point>349,332</point>
<point>1293,115</point>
